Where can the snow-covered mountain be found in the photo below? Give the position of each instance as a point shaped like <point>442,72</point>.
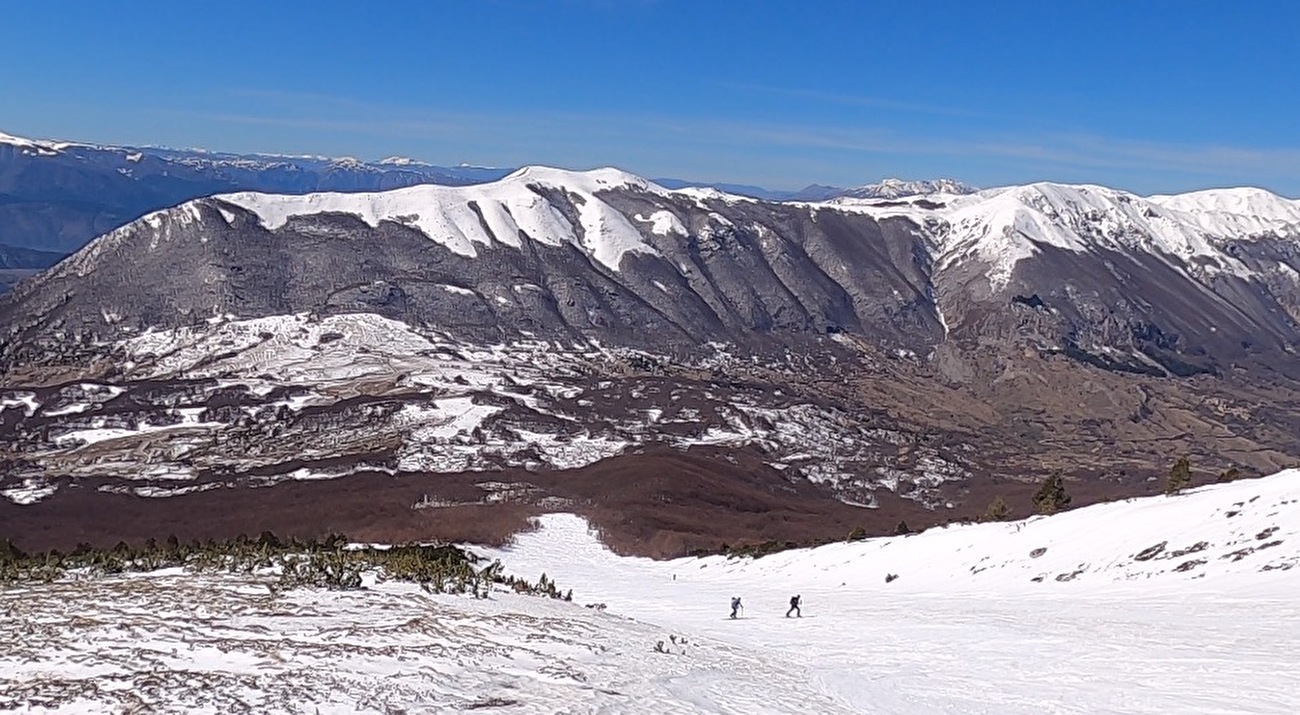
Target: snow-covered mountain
<point>901,356</point>
<point>912,268</point>
<point>900,188</point>
<point>1165,604</point>
<point>884,189</point>
<point>1239,213</point>
<point>57,195</point>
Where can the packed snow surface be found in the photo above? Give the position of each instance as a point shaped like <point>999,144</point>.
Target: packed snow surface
<point>1096,610</point>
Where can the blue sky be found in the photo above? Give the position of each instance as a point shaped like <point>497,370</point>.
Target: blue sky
<point>1150,96</point>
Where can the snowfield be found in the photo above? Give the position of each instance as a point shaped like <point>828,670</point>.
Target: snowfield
<point>1095,610</point>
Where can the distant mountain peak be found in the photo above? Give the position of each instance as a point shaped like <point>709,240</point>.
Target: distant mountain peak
<point>591,181</point>
<point>16,141</point>
<point>399,161</point>
<point>29,146</point>
<point>893,188</point>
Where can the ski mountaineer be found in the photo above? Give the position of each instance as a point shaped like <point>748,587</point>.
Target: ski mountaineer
<point>794,607</point>
<point>735,605</point>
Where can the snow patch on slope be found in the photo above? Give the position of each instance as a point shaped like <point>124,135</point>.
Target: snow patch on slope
<point>663,223</point>
<point>455,217</point>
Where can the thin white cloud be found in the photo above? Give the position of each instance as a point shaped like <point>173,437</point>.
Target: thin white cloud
<point>857,100</point>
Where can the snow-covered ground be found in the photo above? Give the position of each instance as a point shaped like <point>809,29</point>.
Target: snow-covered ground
<point>1119,622</point>
<point>1160,605</point>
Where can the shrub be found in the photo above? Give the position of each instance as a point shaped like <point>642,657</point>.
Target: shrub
<point>760,550</point>
<point>1230,474</point>
<point>323,564</point>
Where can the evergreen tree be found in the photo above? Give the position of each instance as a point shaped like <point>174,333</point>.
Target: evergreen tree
<point>998,510</point>
<point>902,528</point>
<point>1051,497</point>
<point>1180,476</point>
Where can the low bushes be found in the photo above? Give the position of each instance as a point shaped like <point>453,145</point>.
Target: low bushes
<point>325,563</point>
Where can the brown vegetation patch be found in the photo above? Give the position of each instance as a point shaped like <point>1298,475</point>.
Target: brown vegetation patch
<point>660,503</point>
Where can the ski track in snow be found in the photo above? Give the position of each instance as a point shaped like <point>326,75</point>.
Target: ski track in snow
<point>963,629</point>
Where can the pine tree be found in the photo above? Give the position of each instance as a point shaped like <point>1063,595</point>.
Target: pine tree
<point>1051,497</point>
<point>902,528</point>
<point>998,510</point>
<point>1180,476</point>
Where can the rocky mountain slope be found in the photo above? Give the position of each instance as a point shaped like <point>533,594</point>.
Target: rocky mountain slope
<point>921,353</point>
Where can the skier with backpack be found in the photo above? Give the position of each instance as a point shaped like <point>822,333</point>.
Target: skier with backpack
<point>735,605</point>
<point>794,607</point>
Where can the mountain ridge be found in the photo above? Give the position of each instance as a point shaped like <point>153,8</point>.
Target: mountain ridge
<point>597,213</point>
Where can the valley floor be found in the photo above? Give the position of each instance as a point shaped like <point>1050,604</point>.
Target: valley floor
<point>1117,623</point>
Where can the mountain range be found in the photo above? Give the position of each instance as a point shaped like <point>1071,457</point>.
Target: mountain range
<point>884,189</point>
<point>57,195</point>
<point>559,338</point>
